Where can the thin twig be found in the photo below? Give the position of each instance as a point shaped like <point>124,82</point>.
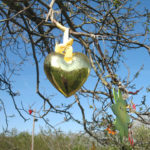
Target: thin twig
<point>6,120</point>
<point>32,145</point>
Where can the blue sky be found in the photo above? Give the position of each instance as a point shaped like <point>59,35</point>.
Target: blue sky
<point>26,84</point>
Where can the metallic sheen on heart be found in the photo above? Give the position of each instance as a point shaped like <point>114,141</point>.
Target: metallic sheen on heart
<point>67,77</point>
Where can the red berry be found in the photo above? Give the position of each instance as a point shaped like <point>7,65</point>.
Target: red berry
<point>134,107</point>
<point>30,111</point>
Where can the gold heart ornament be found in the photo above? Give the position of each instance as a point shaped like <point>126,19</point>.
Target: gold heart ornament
<point>67,77</point>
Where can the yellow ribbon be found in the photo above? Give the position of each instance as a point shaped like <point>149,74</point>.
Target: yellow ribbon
<point>65,48</point>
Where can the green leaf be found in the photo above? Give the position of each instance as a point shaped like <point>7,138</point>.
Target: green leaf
<point>122,118</point>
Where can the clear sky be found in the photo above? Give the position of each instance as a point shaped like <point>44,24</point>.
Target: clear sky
<point>26,84</point>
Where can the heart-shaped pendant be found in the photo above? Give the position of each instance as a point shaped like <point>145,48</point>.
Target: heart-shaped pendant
<point>67,77</point>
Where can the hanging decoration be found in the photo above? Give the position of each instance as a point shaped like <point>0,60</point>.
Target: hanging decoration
<point>67,71</point>
<point>122,117</point>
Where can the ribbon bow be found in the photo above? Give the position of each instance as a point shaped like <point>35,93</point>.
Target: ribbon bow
<point>66,47</point>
